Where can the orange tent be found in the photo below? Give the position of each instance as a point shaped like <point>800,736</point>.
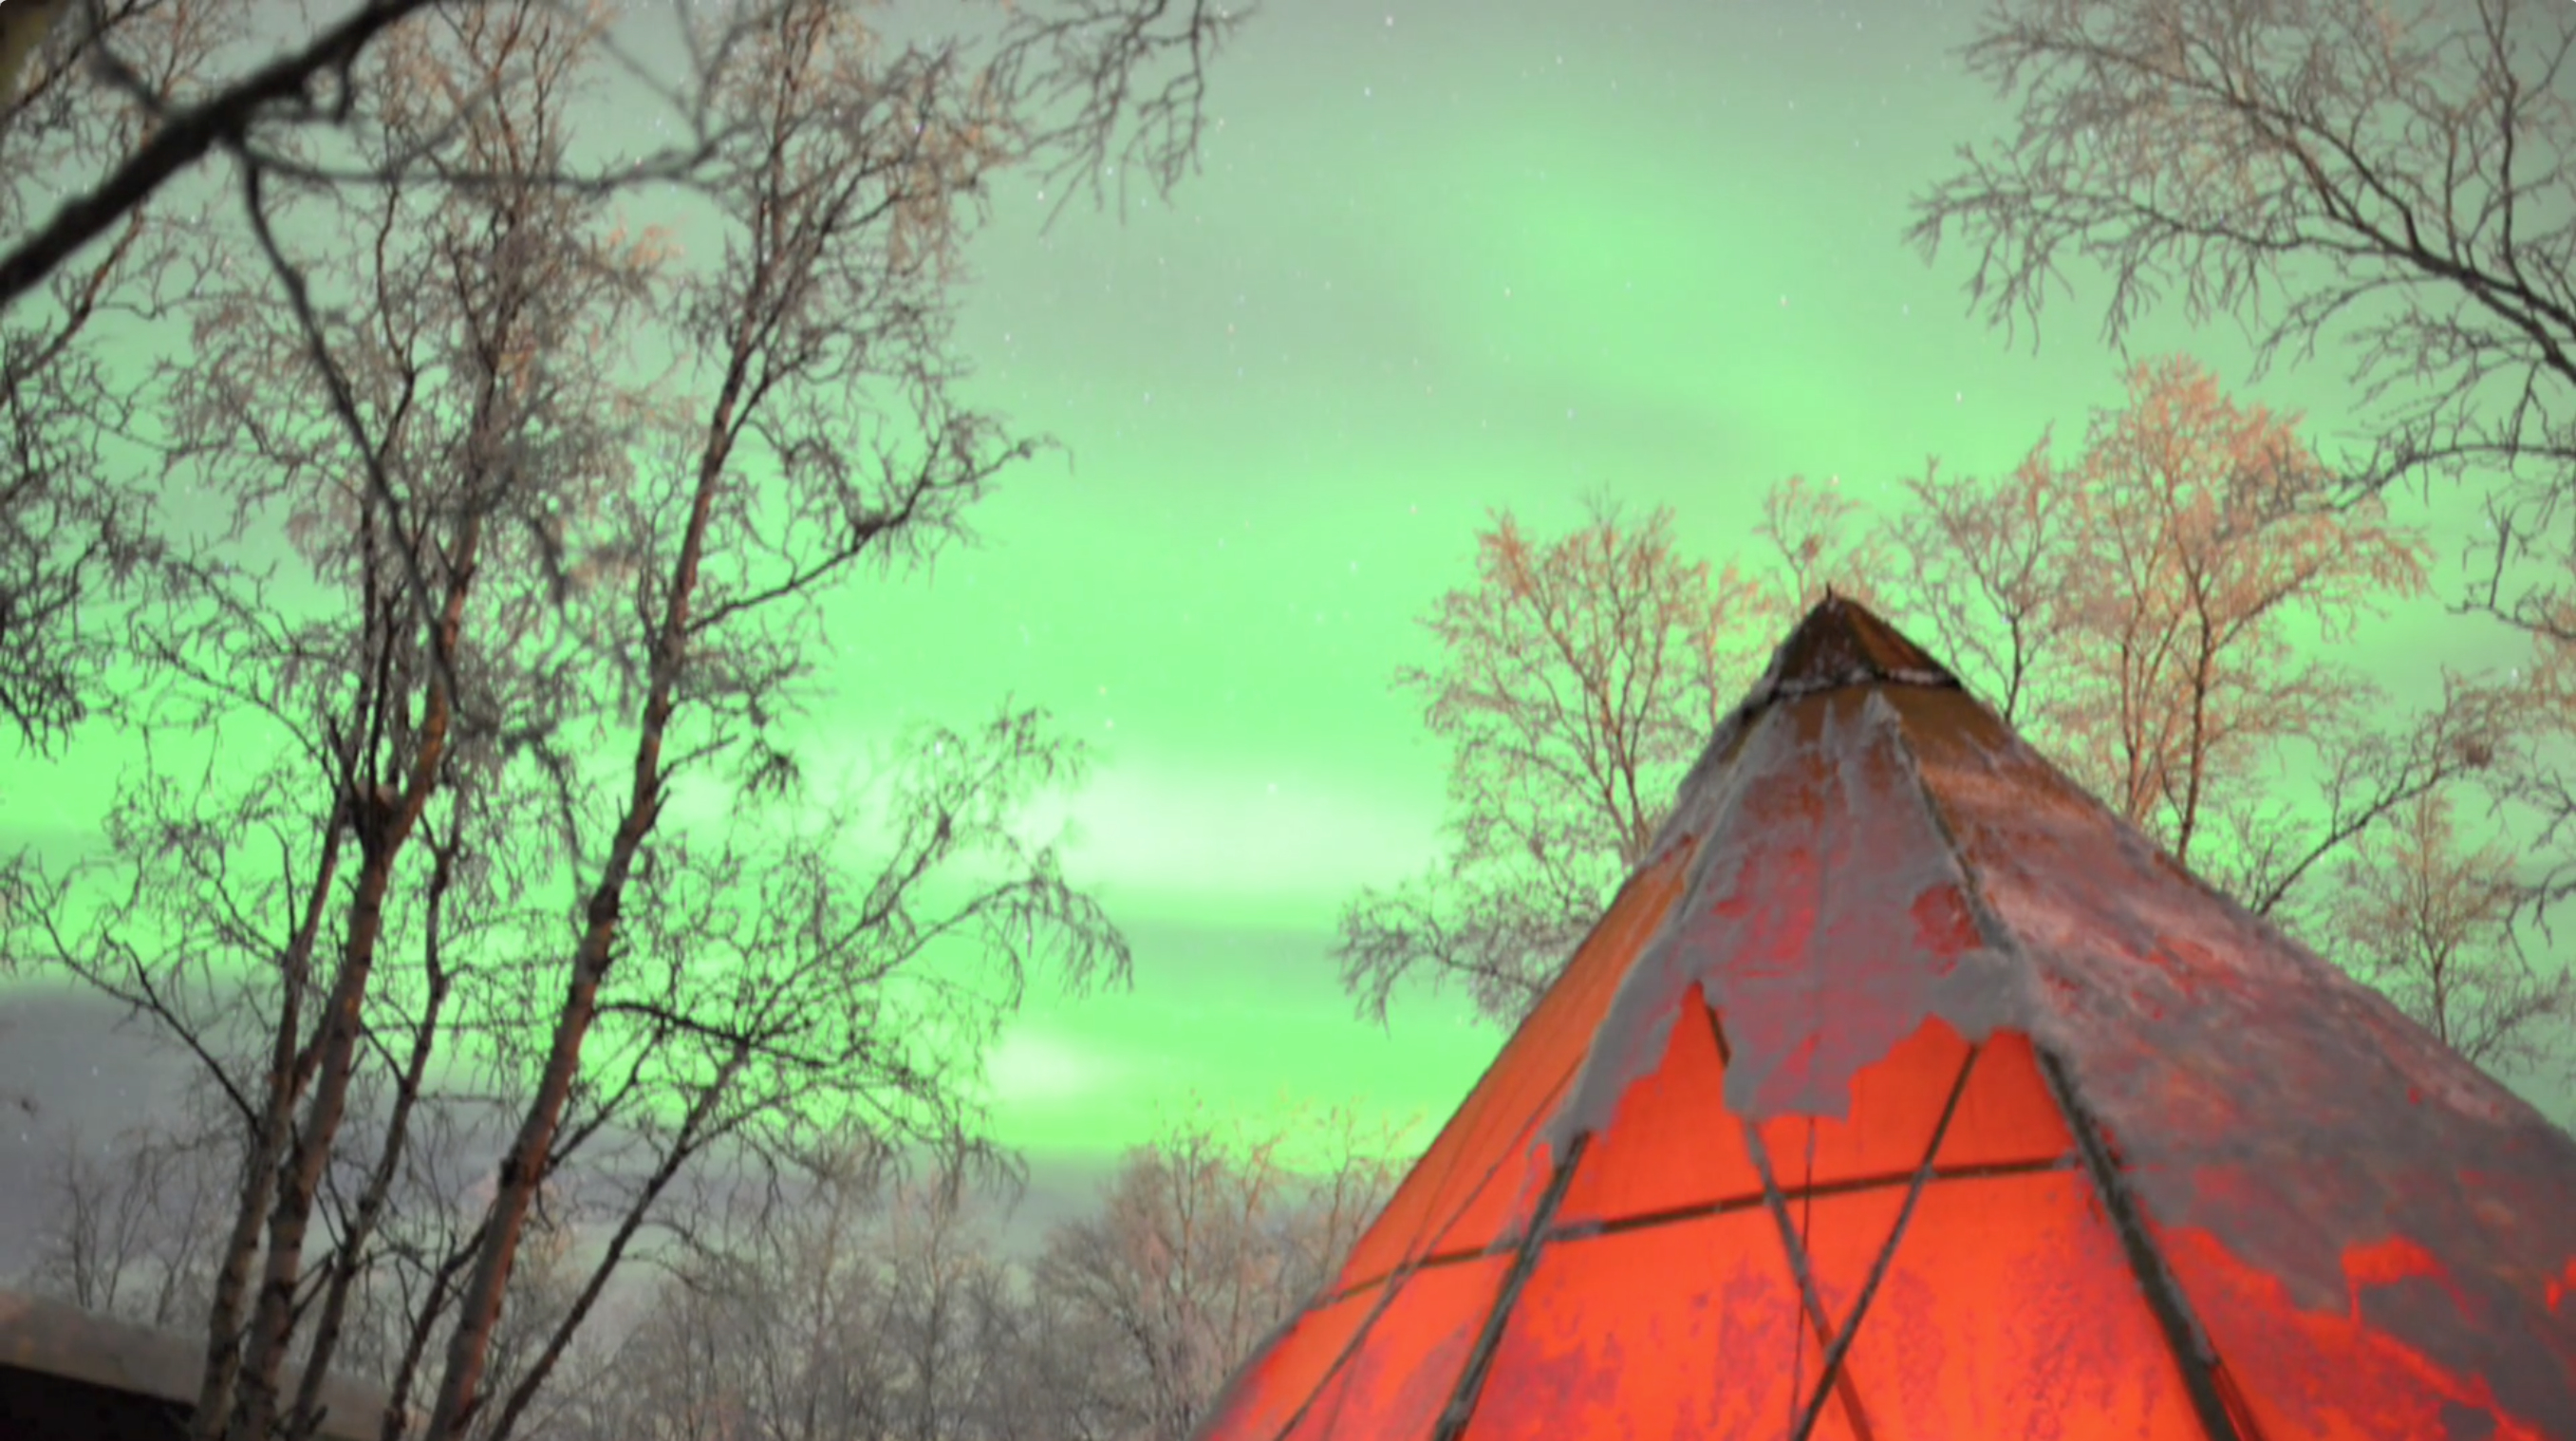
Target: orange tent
<point>1905,1092</point>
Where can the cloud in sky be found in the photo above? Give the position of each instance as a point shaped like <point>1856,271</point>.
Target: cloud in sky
<point>1252,838</point>
<point>1243,837</point>
<point>1036,1067</point>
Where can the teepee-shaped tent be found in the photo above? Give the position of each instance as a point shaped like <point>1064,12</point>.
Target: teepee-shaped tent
<point>1906,1094</point>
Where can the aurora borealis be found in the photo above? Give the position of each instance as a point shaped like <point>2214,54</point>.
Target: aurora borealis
<point>1443,257</point>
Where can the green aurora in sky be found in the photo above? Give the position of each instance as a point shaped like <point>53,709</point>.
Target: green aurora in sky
<point>1443,258</point>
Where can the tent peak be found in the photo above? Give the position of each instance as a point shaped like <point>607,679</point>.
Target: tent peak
<point>1840,643</point>
<point>1906,1089</point>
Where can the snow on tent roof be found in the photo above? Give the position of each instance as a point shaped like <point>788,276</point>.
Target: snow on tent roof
<point>1906,1092</point>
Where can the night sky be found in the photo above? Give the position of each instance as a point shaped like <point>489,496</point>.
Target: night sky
<point>1444,257</point>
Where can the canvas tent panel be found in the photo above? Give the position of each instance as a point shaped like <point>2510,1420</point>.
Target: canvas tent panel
<point>1395,1382</point>
<point>1498,1213</point>
<point>2041,1328</point>
<point>1688,1328</point>
<point>1897,1106</point>
<point>1825,922</point>
<point>2006,1310</point>
<point>1266,1396</point>
<point>1478,1151</point>
<point>2335,1376</point>
<point>1501,1213</point>
<point>2004,1232</point>
<point>1480,1174</point>
<point>1903,1048</point>
<point>2005,1115</point>
<point>2251,1089</point>
<point>1672,1146</point>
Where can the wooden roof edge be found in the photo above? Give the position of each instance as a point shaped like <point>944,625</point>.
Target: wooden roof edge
<point>54,1338</point>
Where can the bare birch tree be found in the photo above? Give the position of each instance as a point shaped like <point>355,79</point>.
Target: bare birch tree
<point>76,526</point>
<point>1207,1240</point>
<point>2431,924</point>
<point>2151,611</point>
<point>520,549</point>
<point>1821,541</point>
<point>126,1236</point>
<point>860,1302</point>
<point>2204,532</point>
<point>1988,560</point>
<point>2389,179</point>
<point>1577,678</point>
<point>820,347</point>
<point>82,38</point>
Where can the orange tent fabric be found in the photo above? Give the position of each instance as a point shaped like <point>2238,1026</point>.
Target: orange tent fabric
<point>1906,1094</point>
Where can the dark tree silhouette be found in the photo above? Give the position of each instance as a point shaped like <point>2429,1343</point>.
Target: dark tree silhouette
<point>418,873</point>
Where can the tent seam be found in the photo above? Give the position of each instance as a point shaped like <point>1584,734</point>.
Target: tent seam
<point>2195,1359</point>
<point>1697,1211</point>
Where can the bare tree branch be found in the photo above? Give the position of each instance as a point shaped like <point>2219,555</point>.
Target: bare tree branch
<point>1577,681</point>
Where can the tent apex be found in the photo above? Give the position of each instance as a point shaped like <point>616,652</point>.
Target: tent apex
<point>1840,643</point>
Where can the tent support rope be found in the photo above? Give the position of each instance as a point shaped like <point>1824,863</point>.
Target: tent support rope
<point>1810,1300</point>
<point>1842,1340</point>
